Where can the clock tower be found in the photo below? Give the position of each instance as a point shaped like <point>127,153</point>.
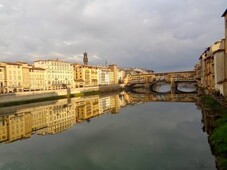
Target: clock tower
<point>85,59</point>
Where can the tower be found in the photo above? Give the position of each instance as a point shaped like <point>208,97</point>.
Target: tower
<point>225,18</point>
<point>85,59</point>
<point>225,55</point>
<point>114,69</point>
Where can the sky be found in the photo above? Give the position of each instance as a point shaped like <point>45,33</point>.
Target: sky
<point>161,35</point>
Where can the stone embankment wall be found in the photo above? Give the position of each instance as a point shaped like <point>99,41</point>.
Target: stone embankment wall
<point>32,95</point>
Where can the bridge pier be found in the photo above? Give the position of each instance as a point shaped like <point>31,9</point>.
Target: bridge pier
<point>172,86</point>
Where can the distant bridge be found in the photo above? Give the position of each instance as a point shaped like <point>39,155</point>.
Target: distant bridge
<point>150,80</point>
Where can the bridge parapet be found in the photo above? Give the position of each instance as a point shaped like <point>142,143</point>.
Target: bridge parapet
<point>184,79</point>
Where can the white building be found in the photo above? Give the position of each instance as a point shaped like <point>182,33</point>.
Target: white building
<point>58,74</point>
<point>104,76</point>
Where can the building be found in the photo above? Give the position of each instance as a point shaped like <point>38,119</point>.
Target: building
<point>2,78</point>
<point>11,77</point>
<point>58,74</point>
<point>85,59</point>
<point>20,76</point>
<point>25,75</point>
<point>198,72</point>
<point>121,76</point>
<point>37,78</point>
<point>104,76</point>
<point>113,74</point>
<point>85,76</point>
<point>211,70</point>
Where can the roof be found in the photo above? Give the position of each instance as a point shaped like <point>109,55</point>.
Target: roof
<point>10,63</point>
<point>224,14</point>
<point>36,68</point>
<point>47,60</point>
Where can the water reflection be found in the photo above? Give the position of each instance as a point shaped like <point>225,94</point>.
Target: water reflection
<point>50,118</point>
<point>164,87</point>
<point>157,134</point>
<point>186,87</point>
<point>21,122</point>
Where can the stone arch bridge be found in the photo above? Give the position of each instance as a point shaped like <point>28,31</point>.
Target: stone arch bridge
<point>172,78</point>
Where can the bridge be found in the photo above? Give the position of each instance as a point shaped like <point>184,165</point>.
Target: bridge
<point>138,98</point>
<point>172,78</point>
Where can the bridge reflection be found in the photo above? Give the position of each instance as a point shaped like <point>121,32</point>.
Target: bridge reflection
<point>163,87</point>
<point>137,97</point>
<point>46,118</point>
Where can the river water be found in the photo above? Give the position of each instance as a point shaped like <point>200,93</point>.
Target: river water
<point>116,131</point>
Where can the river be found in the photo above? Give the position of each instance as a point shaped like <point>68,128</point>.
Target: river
<point>116,131</point>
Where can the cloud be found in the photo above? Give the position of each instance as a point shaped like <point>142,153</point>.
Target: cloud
<point>159,34</point>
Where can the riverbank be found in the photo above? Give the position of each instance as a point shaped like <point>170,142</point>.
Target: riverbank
<point>215,124</point>
<point>38,96</point>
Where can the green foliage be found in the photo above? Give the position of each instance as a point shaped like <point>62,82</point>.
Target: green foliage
<point>218,140</point>
<point>222,163</point>
<point>210,103</point>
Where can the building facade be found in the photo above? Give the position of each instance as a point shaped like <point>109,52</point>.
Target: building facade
<point>12,77</point>
<point>104,76</point>
<point>85,76</point>
<point>58,74</point>
<point>25,75</point>
<point>2,78</point>
<point>37,78</point>
<point>211,70</point>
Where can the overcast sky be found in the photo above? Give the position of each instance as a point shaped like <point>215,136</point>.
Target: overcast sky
<point>154,34</point>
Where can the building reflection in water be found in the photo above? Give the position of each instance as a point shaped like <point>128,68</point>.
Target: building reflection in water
<point>21,122</point>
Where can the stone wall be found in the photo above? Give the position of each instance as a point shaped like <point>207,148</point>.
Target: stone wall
<point>26,96</point>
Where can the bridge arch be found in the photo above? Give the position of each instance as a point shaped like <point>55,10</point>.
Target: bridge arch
<point>161,82</point>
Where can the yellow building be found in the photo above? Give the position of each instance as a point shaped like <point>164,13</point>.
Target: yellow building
<point>210,70</point>
<point>25,75</point>
<point>212,67</point>
<point>13,76</point>
<point>2,78</point>
<point>85,76</point>
<point>58,74</point>
<point>198,72</point>
<point>19,76</point>
<point>113,74</point>
<point>208,73</point>
<point>37,78</point>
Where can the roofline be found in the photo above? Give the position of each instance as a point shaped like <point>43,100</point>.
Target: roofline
<point>224,14</point>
